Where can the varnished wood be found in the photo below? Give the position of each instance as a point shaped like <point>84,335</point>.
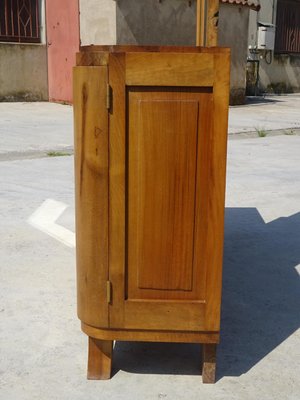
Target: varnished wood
<point>92,59</point>
<point>212,22</point>
<point>161,49</point>
<point>117,210</point>
<point>99,358</point>
<point>217,180</point>
<point>161,189</point>
<point>201,22</point>
<point>169,69</point>
<point>129,309</point>
<point>207,22</point>
<point>150,193</point>
<point>150,335</point>
<point>98,55</point>
<point>148,259</point>
<point>209,363</point>
<point>91,183</point>
<point>164,314</point>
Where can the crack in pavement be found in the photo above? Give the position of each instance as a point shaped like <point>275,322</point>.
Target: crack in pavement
<point>32,154</point>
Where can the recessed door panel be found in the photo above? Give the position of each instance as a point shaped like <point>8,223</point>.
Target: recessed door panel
<point>167,137</point>
<point>162,157</point>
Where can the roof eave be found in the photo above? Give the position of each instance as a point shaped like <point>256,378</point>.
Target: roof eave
<point>249,4</point>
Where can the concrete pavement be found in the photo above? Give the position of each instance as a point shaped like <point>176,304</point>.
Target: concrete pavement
<point>29,130</point>
<point>273,114</point>
<point>39,128</point>
<point>42,350</point>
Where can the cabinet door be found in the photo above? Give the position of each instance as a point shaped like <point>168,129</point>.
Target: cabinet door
<point>167,149</point>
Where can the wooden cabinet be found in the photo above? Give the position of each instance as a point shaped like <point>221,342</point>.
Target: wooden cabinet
<point>150,157</point>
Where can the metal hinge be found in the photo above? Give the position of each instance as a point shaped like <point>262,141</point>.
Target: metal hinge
<point>108,291</point>
<point>108,96</point>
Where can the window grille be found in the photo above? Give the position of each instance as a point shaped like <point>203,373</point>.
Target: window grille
<point>19,21</point>
<point>287,38</point>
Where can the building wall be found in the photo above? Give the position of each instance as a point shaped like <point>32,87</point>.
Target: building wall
<point>149,22</point>
<point>233,31</point>
<point>23,72</point>
<point>282,75</point>
<point>62,21</point>
<point>173,22</point>
<point>267,14</point>
<point>23,68</point>
<point>97,22</point>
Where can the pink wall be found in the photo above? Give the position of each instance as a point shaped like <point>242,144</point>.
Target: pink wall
<point>62,21</point>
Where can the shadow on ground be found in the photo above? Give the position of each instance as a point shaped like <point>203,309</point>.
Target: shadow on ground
<point>261,301</point>
<point>261,100</point>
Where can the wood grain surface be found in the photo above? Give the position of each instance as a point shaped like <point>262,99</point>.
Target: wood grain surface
<point>217,182</point>
<point>209,363</point>
<point>117,206</point>
<point>150,168</point>
<point>91,184</point>
<point>168,203</point>
<point>99,359</point>
<point>159,49</point>
<point>161,188</point>
<point>166,149</point>
<point>150,189</point>
<point>169,69</point>
<point>201,22</point>
<point>212,22</point>
<point>150,335</point>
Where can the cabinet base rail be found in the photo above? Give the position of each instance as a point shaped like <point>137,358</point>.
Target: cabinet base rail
<point>100,348</point>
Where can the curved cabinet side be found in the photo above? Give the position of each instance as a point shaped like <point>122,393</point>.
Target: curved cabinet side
<point>91,193</point>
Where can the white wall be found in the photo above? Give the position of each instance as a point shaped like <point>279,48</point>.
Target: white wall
<point>97,22</point>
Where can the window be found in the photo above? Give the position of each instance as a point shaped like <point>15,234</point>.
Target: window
<point>288,27</point>
<point>19,21</point>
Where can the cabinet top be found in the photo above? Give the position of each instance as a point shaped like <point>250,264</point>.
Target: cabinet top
<point>99,55</point>
<point>164,49</point>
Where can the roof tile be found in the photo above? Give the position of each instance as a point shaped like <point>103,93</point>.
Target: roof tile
<point>253,4</point>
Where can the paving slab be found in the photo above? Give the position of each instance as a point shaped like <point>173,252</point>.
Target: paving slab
<point>42,127</point>
<point>43,353</point>
<point>35,128</point>
<point>270,113</point>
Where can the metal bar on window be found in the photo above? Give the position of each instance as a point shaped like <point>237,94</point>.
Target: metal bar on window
<point>20,21</point>
<point>6,16</point>
<point>37,14</point>
<point>12,18</point>
<point>288,27</point>
<point>30,22</point>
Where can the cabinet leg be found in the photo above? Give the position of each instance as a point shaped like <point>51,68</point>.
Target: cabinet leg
<point>209,363</point>
<point>99,359</point>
